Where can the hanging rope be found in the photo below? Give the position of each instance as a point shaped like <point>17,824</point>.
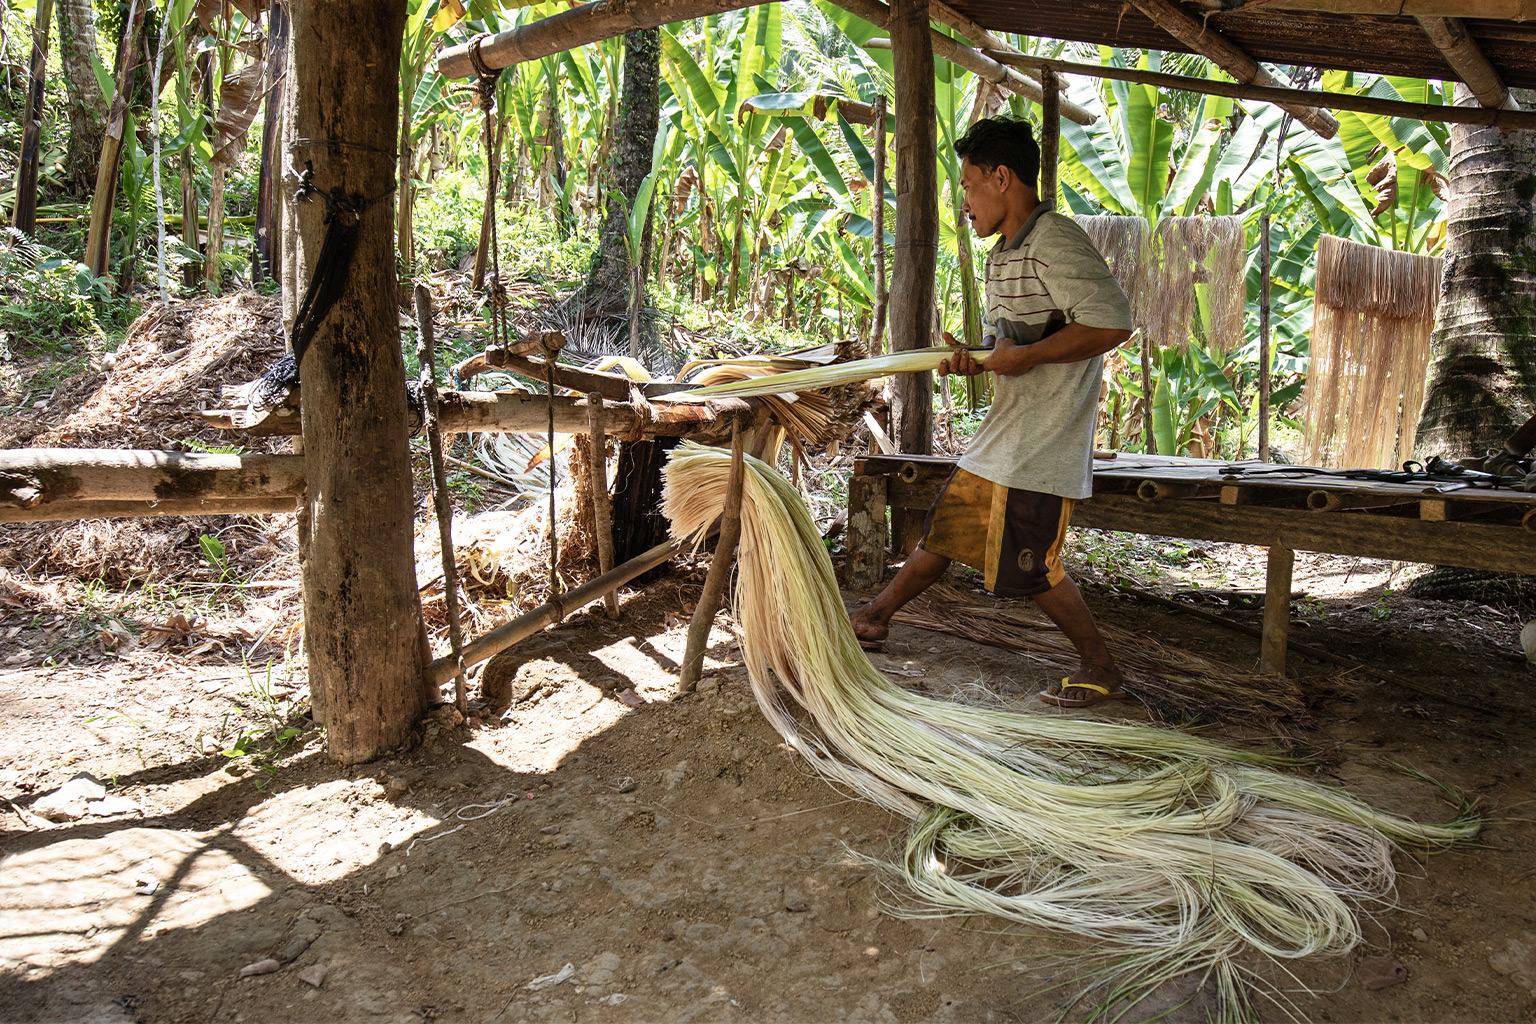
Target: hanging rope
<point>485,83</point>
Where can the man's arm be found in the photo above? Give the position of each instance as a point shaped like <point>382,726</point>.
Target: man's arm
<point>1072,343</point>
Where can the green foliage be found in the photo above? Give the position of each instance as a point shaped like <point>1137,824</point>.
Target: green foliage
<point>49,300</point>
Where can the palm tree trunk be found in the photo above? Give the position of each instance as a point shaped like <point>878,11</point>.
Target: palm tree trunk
<point>88,108</point>
<point>1482,383</point>
<point>609,280</point>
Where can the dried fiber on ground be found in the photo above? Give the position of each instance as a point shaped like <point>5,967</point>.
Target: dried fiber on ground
<point>1175,685</point>
<point>1180,853</point>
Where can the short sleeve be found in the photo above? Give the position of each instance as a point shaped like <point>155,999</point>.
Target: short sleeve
<point>1078,279</point>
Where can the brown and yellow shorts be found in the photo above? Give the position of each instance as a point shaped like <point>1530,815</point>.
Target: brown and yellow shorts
<point>1014,537</point>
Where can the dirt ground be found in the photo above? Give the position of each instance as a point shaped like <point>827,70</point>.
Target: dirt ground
<point>607,850</point>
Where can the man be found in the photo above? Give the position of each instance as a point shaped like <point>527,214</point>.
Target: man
<point>1054,311</point>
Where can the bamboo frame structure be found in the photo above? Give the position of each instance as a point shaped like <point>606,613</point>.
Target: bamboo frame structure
<point>1498,117</point>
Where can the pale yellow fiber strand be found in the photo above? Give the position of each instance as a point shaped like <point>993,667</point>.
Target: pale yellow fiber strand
<point>1182,852</point>
<point>817,377</point>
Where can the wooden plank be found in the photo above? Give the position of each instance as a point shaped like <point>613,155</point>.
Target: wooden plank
<point>868,532</point>
<point>33,477</point>
<point>1277,610</point>
<point>1473,545</point>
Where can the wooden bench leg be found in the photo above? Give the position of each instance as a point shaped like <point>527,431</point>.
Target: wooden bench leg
<point>1277,611</point>
<point>867,532</point>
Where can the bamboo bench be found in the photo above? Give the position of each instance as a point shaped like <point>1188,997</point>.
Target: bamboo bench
<point>1438,523</point>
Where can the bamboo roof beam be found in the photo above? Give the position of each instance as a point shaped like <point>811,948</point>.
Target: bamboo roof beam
<point>1500,117</point>
<point>1231,58</point>
<point>972,60</point>
<point>1466,58</point>
<point>585,23</point>
<point>982,38</point>
<point>1498,10</point>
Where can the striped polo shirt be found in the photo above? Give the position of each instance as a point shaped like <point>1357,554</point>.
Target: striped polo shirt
<point>1038,434</point>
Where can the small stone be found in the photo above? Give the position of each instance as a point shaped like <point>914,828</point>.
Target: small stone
<point>794,902</point>
<point>709,684</point>
<point>631,698</point>
<point>550,830</point>
<point>627,785</point>
<point>69,801</point>
<point>296,948</point>
<point>110,805</point>
<point>314,975</point>
<point>1378,972</point>
<point>1420,935</point>
<point>266,966</point>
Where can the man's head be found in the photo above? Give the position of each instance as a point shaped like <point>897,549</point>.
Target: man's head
<point>1000,166</point>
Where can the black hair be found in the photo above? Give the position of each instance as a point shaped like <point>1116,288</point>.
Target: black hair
<point>1002,142</point>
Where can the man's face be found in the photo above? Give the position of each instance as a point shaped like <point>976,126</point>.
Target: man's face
<point>983,197</point>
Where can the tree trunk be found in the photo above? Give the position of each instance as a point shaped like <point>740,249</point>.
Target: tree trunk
<point>98,242</point>
<point>212,270</point>
<point>24,217</point>
<point>917,219</point>
<point>638,524</point>
<point>266,256</point>
<point>87,106</point>
<point>609,280</point>
<point>362,616</point>
<point>1482,383</point>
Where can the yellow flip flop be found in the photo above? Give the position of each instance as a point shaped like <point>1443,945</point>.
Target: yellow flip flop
<point>1080,702</point>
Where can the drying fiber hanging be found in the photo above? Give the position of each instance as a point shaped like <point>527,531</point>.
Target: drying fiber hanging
<point>1184,854</point>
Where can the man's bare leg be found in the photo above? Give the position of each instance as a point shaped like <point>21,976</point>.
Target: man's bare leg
<point>1064,604</point>
<point>871,622</point>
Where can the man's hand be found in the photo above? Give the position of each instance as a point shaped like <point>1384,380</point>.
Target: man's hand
<point>961,362</point>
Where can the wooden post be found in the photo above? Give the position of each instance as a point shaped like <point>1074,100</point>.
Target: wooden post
<point>917,219</point>
<point>442,507</point>
<point>868,533</point>
<point>719,570</point>
<point>1277,611</point>
<point>24,215</point>
<point>602,515</point>
<point>1264,338</point>
<point>362,613</point>
<point>1149,441</point>
<point>1050,135</point>
<point>877,214</point>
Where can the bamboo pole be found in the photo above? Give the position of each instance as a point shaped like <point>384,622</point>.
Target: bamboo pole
<point>74,510</point>
<point>34,477</point>
<point>602,514</point>
<point>1264,338</point>
<point>1462,53</point>
<point>522,412</point>
<point>1205,40</point>
<point>877,211</point>
<point>1497,117</point>
<point>985,65</point>
<point>441,506</point>
<point>719,571</point>
<point>98,240</point>
<point>582,24</point>
<point>507,634</point>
